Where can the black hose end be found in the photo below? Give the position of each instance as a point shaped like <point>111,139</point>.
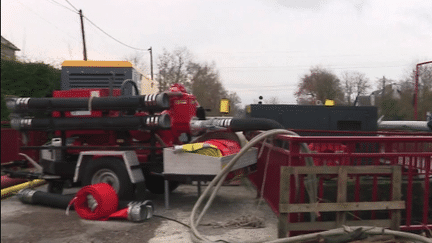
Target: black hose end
<point>20,123</point>
<point>163,101</point>
<point>251,124</point>
<point>164,121</point>
<point>11,104</point>
<point>200,113</point>
<point>26,195</point>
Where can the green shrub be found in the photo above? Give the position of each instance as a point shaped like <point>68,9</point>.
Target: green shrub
<point>26,80</point>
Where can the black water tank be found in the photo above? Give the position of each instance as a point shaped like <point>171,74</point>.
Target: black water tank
<point>333,118</point>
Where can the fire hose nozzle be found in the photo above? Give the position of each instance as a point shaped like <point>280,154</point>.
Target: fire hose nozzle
<point>140,211</point>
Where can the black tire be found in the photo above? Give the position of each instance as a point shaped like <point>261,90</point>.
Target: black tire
<point>155,184</point>
<point>110,170</point>
<point>55,186</point>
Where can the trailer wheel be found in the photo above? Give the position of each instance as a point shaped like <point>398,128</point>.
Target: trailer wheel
<point>155,184</point>
<point>55,186</point>
<point>112,171</point>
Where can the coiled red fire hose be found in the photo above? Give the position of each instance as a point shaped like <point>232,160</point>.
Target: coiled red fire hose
<point>104,205</point>
<point>106,199</point>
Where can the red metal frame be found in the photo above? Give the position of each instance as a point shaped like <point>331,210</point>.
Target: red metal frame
<point>413,153</point>
<point>12,140</point>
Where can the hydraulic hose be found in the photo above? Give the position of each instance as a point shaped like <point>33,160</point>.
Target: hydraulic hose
<point>132,210</point>
<point>254,124</point>
<point>234,124</point>
<point>30,196</point>
<point>7,192</point>
<point>93,123</point>
<point>123,86</point>
<point>220,177</point>
<point>153,102</point>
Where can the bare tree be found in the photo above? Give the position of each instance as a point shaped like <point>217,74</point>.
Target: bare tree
<point>272,100</point>
<point>235,101</point>
<point>138,59</point>
<point>201,78</point>
<point>319,85</point>
<point>206,86</point>
<point>354,84</point>
<point>173,68</point>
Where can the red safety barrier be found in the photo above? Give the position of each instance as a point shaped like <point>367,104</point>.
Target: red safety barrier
<point>412,153</point>
<point>328,148</point>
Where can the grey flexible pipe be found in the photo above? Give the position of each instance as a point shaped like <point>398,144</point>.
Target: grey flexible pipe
<point>368,229</point>
<point>221,176</point>
<point>312,191</point>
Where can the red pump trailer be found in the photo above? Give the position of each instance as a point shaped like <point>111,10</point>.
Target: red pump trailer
<point>113,134</point>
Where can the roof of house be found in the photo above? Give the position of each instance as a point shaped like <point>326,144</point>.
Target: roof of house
<point>389,87</point>
<point>7,43</point>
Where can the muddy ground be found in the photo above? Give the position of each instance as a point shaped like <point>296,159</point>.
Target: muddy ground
<point>30,223</point>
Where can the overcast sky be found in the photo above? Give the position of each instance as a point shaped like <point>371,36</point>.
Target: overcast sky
<point>259,47</point>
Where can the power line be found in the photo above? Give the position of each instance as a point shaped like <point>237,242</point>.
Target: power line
<point>77,11</point>
<point>273,89</point>
<point>55,26</point>
<point>308,66</point>
<point>91,22</point>
<point>53,1</point>
<point>72,5</point>
<point>112,36</point>
<point>46,20</point>
<point>271,68</point>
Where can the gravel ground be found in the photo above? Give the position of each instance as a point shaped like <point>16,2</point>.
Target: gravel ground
<point>32,223</point>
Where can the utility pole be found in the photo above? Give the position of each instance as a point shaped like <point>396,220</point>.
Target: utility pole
<point>416,87</point>
<point>151,63</point>
<point>83,36</point>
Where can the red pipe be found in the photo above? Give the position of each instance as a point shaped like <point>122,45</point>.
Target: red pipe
<point>426,208</point>
<point>6,181</point>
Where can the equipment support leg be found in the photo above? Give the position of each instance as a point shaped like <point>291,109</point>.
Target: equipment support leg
<point>166,194</point>
<point>199,188</point>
